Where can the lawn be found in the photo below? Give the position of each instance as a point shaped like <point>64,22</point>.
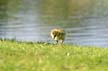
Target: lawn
<point>28,56</point>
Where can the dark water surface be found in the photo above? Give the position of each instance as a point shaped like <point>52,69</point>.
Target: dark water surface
<point>85,21</point>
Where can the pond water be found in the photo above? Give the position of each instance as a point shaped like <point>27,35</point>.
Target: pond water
<point>85,21</point>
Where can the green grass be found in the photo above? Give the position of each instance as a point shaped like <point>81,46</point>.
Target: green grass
<point>24,56</point>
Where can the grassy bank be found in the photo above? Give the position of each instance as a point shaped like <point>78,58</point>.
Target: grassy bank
<point>23,56</point>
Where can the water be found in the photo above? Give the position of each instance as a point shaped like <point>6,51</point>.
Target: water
<point>85,22</point>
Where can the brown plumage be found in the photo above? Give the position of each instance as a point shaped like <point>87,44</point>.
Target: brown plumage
<point>58,34</point>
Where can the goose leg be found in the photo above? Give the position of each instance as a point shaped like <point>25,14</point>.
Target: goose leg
<point>57,41</point>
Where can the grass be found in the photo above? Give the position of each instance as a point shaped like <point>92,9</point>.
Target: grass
<point>25,56</point>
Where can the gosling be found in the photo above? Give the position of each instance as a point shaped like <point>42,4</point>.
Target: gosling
<point>58,34</point>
